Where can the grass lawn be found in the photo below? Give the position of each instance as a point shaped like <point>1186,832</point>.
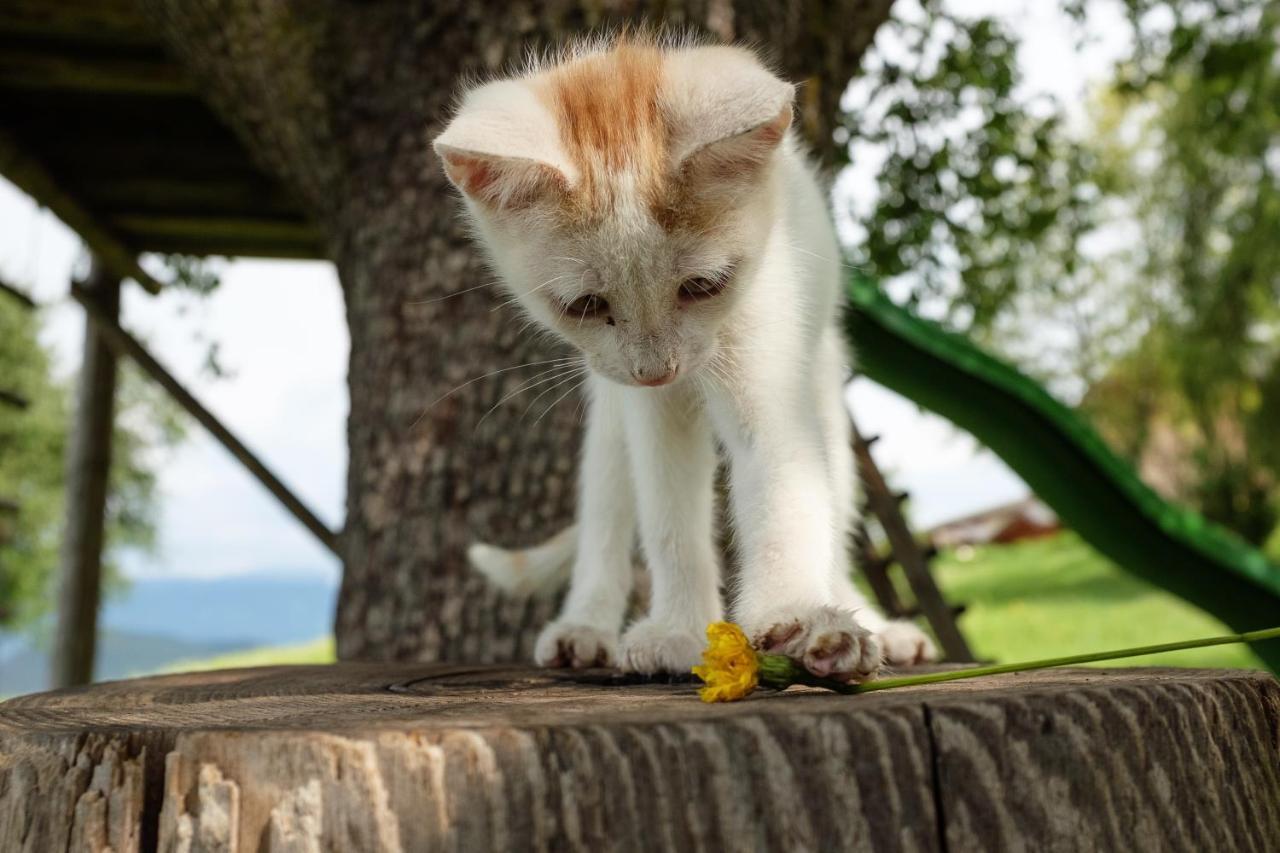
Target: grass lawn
<point>1031,600</point>
<point>1058,596</point>
<point>316,651</point>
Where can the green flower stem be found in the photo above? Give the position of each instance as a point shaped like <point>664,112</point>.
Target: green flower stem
<point>1001,668</point>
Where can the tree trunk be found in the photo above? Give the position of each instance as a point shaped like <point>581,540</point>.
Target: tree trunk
<point>340,102</point>
<point>424,757</point>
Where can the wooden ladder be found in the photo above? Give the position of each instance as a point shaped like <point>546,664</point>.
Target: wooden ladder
<point>906,552</point>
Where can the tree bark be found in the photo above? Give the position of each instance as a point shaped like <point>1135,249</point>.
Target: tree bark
<point>340,100</point>
<point>414,757</point>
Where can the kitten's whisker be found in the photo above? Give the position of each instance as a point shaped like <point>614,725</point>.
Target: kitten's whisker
<point>436,299</point>
<point>564,378</point>
<point>556,373</point>
<point>458,388</point>
<point>556,402</point>
<point>841,262</point>
<point>511,300</point>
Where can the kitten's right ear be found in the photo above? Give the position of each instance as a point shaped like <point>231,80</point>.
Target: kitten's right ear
<point>501,151</point>
<point>500,183</point>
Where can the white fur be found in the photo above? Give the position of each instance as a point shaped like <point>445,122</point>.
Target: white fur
<point>761,368</point>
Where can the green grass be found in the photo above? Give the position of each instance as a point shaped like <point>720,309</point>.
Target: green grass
<point>1038,599</point>
<point>1057,596</point>
<point>316,651</point>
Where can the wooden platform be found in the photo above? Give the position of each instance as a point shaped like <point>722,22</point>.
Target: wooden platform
<point>404,757</point>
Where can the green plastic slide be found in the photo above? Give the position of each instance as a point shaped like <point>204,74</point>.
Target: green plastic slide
<point>1066,463</point>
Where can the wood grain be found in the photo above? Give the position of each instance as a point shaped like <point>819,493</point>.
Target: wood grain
<point>419,757</point>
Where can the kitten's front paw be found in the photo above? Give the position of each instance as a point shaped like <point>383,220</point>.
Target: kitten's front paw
<point>827,640</point>
<point>650,647</point>
<point>904,644</point>
<point>565,644</point>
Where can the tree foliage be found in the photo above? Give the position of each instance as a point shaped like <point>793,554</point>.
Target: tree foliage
<point>1127,250</point>
<point>32,446</point>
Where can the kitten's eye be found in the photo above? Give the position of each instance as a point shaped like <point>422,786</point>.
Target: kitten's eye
<point>585,307</point>
<point>701,287</point>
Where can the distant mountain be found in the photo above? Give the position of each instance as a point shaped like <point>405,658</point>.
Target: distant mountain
<point>243,609</point>
<point>156,622</point>
<point>120,654</point>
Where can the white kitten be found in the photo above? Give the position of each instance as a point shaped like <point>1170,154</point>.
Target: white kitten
<point>647,203</point>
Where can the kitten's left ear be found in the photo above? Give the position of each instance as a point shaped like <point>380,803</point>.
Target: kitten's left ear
<point>500,149</point>
<point>731,113</point>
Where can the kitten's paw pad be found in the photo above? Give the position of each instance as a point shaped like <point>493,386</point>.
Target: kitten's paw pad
<point>828,641</point>
<point>904,644</point>
<point>565,644</point>
<point>650,647</point>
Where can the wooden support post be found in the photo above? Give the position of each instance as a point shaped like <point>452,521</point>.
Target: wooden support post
<point>123,343</point>
<point>908,554</point>
<point>88,467</point>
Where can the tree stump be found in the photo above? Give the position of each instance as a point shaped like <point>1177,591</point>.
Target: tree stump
<point>425,757</point>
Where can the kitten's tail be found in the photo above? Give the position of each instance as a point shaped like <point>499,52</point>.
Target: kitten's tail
<point>537,570</point>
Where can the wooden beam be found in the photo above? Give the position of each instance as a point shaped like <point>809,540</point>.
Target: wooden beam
<point>232,248</point>
<point>87,474</point>
<point>44,68</point>
<point>118,154</point>
<point>112,21</point>
<point>261,228</point>
<point>151,194</point>
<point>124,343</point>
<point>33,179</point>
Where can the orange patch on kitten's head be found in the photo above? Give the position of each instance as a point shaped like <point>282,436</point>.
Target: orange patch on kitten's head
<point>608,106</point>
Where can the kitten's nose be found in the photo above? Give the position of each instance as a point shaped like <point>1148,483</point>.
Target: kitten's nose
<point>652,379</point>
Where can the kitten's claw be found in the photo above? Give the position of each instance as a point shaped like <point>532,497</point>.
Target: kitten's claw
<point>650,647</point>
<point>827,640</point>
<point>904,644</point>
<point>565,644</point>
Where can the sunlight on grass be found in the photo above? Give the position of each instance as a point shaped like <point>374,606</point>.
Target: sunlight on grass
<point>1058,596</point>
<point>1039,599</point>
<point>316,651</point>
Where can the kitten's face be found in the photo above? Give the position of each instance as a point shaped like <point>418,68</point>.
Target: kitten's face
<point>642,304</point>
<point>624,195</point>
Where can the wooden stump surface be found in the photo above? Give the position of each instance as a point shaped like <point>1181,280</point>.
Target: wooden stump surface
<point>418,757</point>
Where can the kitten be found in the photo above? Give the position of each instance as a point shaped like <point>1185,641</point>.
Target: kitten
<point>647,203</point>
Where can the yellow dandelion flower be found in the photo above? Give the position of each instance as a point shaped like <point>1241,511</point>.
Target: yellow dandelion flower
<point>730,668</point>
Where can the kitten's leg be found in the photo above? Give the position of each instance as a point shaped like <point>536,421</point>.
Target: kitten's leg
<point>585,634</point>
<point>789,520</point>
<point>674,458</point>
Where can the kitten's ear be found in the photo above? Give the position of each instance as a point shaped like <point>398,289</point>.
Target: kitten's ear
<point>731,113</point>
<point>500,183</point>
<point>741,156</point>
<point>501,149</point>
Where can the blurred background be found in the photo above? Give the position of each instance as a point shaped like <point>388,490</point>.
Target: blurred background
<point>1088,189</point>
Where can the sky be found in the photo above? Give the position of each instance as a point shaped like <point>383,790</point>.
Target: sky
<point>282,337</point>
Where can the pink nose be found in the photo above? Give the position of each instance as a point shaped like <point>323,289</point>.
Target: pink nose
<point>655,381</point>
